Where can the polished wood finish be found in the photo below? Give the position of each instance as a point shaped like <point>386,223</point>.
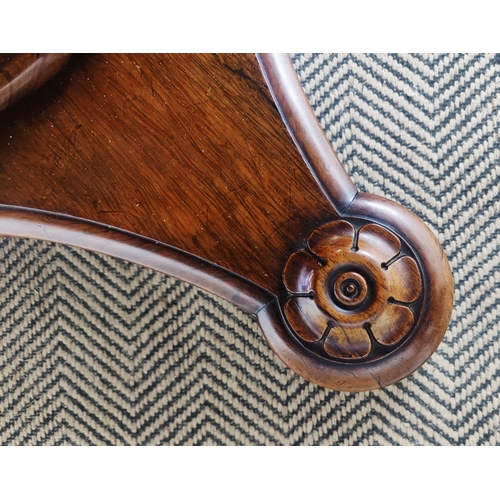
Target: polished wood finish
<point>353,291</point>
<point>183,163</point>
<point>24,223</point>
<point>188,150</point>
<point>405,343</point>
<point>306,131</point>
<point>21,74</point>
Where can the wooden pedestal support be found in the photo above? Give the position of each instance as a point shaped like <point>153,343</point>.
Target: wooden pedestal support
<point>213,169</point>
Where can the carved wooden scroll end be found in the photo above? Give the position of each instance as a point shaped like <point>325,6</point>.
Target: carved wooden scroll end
<point>352,291</point>
<point>355,291</point>
<point>366,303</point>
<point>367,297</point>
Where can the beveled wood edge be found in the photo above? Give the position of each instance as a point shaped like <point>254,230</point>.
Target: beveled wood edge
<point>306,131</point>
<point>437,276</point>
<point>345,198</point>
<point>414,352</point>
<point>26,73</point>
<point>303,362</point>
<point>28,223</point>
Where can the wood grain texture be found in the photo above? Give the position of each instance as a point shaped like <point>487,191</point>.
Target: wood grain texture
<point>188,150</point>
<point>393,332</point>
<point>362,290</point>
<point>26,223</point>
<point>306,131</point>
<point>183,163</point>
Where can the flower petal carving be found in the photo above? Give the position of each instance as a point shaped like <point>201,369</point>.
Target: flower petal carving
<point>405,282</point>
<point>347,342</point>
<point>299,271</point>
<point>338,234</point>
<point>378,242</point>
<point>306,318</point>
<point>351,290</point>
<point>392,324</point>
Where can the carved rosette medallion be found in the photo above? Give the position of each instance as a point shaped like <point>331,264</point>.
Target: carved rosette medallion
<point>354,292</point>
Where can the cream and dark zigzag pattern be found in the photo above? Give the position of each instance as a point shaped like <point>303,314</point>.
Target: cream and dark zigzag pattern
<point>95,350</point>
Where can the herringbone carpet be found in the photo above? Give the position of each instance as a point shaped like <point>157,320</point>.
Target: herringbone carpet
<point>98,351</point>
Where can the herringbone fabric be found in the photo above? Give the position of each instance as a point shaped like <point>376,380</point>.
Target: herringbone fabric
<point>98,351</point>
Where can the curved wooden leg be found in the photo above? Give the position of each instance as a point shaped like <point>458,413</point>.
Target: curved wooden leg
<point>183,163</point>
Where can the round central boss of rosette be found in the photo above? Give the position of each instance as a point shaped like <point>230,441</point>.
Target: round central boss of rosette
<point>351,291</point>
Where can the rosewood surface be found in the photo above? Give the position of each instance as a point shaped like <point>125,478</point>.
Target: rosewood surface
<point>185,164</point>
<point>188,150</point>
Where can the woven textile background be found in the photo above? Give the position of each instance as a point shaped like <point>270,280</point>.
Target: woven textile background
<point>94,350</point>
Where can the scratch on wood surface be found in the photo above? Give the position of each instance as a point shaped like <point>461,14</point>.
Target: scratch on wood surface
<point>45,231</point>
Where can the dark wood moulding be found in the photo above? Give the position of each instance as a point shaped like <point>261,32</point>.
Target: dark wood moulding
<point>21,74</point>
<point>213,169</point>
